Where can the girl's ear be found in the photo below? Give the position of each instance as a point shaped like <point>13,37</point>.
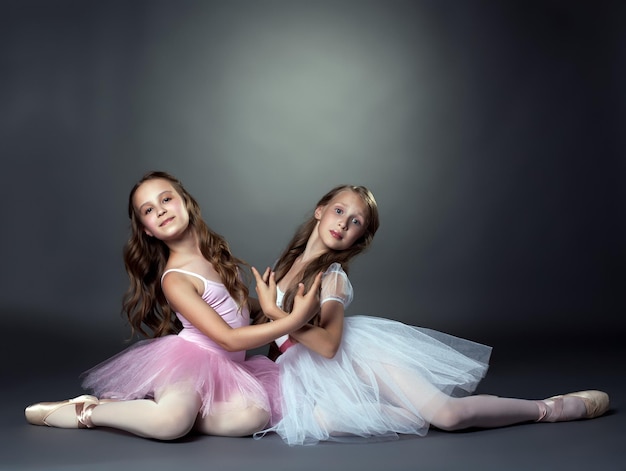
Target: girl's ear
<point>318,212</point>
<point>150,234</point>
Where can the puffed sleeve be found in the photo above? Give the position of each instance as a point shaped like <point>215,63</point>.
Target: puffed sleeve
<point>336,286</point>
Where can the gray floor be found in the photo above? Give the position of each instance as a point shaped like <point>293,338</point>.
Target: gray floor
<point>48,373</point>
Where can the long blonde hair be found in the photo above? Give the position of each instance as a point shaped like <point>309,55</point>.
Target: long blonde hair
<point>145,258</point>
<point>298,243</point>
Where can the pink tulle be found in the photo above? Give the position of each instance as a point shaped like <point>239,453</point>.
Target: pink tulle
<point>150,365</point>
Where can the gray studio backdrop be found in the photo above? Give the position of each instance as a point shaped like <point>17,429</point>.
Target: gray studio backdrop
<point>489,132</point>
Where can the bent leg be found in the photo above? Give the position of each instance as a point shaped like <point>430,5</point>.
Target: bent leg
<point>234,418</point>
<point>171,415</point>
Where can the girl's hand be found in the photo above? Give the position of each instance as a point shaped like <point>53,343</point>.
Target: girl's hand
<point>266,291</point>
<point>307,305</point>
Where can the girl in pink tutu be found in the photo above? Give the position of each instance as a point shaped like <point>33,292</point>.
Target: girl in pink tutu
<point>182,274</point>
<point>344,378</point>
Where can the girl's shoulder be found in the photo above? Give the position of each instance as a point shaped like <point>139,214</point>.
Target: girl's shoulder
<point>197,268</point>
<point>184,272</point>
<point>336,286</point>
<point>335,267</point>
<point>335,272</point>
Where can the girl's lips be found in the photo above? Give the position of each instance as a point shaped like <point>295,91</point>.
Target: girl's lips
<point>336,235</point>
<point>166,222</point>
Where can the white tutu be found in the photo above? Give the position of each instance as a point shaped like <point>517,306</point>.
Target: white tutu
<point>386,379</point>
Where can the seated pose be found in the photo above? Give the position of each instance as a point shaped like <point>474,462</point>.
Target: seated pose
<point>181,274</point>
<point>360,376</point>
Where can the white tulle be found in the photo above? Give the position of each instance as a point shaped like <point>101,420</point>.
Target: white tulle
<point>387,378</point>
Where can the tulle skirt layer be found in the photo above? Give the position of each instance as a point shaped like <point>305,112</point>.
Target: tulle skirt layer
<point>150,366</point>
<point>387,378</point>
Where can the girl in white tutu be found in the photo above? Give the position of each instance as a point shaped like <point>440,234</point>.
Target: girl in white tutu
<point>346,378</point>
<point>182,274</point>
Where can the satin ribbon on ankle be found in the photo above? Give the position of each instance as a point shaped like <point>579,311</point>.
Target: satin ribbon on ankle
<point>83,414</point>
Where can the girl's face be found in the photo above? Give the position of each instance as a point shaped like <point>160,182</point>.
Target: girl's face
<point>161,210</point>
<point>342,221</point>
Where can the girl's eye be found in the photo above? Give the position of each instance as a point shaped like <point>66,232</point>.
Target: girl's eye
<point>167,198</point>
<point>148,211</point>
<point>356,222</point>
<point>338,210</point>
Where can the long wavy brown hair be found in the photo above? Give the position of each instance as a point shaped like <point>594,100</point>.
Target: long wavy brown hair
<point>145,257</point>
<point>298,243</point>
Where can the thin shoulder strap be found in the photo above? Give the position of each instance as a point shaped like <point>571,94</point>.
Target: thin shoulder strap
<point>183,271</point>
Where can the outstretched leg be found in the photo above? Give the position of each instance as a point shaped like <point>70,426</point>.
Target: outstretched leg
<point>492,411</point>
<point>448,413</point>
<point>484,412</point>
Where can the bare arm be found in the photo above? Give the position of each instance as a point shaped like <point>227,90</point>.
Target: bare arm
<point>184,297</point>
<point>324,338</point>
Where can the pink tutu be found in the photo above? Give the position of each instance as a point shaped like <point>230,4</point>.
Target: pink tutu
<point>217,375</point>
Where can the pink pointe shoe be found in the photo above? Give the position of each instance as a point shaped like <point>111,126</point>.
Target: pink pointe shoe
<point>37,414</point>
<point>596,404</point>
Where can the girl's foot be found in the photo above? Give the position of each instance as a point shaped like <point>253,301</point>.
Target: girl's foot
<point>573,406</point>
<point>72,413</point>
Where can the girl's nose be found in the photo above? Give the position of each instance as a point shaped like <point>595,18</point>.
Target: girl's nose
<point>161,212</point>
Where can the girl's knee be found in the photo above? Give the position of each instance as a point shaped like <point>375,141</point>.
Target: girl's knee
<point>173,424</point>
<point>235,423</point>
<point>449,418</point>
<point>254,419</point>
